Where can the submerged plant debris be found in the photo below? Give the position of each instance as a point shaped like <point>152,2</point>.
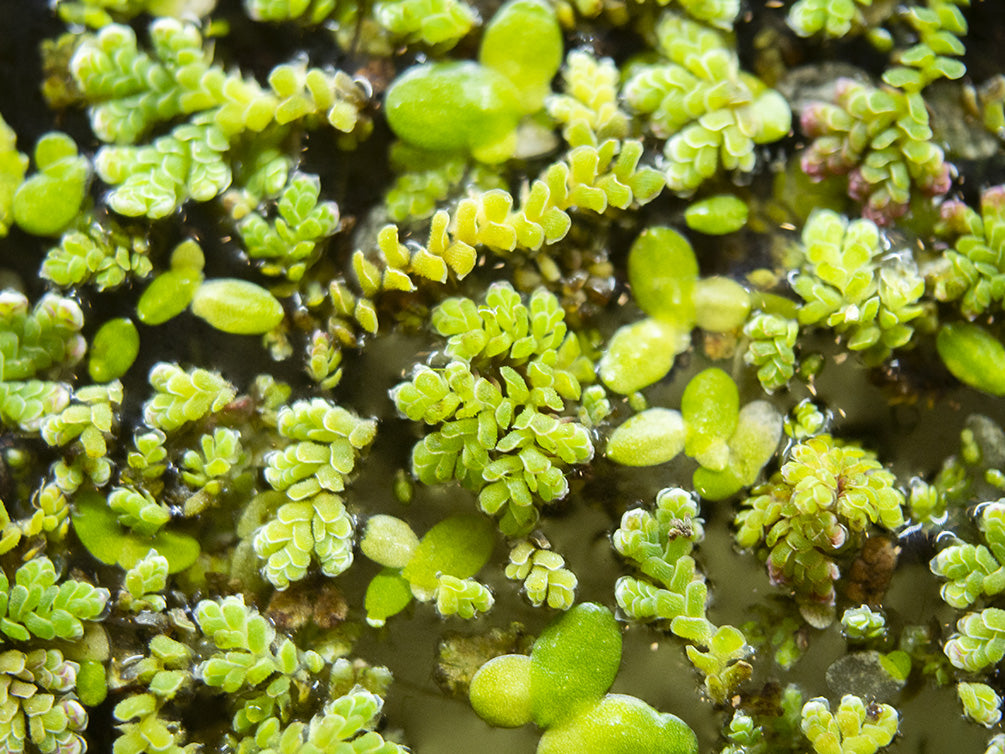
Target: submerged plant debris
<point>650,354</point>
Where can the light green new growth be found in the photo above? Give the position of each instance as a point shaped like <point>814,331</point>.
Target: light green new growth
<point>462,597</point>
<point>325,442</point>
<point>184,396</point>
<point>975,571</point>
<point>498,404</point>
<point>845,287</point>
<point>38,707</point>
<point>436,23</point>
<point>973,271</point>
<point>980,703</point>
<point>659,544</point>
<point>834,18</point>
<point>863,623</point>
<point>89,418</point>
<point>137,509</point>
<point>730,444</point>
<point>589,105</point>
<point>143,582</point>
<point>308,12</point>
<point>166,671</point>
<point>712,113</point>
<point>48,201</point>
<point>806,420</point>
<point>939,27</point>
<point>996,745</point>
<point>854,729</point>
<point>438,567</point>
<point>46,337</point>
<point>324,360</point>
<point>289,244</point>
<point>35,605</point>
<point>544,575</point>
<point>103,254</point>
<point>130,92</point>
<point>146,461</point>
<point>268,678</point>
<point>220,457</point>
<point>826,493</point>
<point>771,348</point>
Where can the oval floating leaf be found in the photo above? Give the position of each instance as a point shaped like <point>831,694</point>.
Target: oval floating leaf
<point>500,691</point>
<point>649,438</point>
<point>168,295</point>
<point>573,662</point>
<point>113,350</point>
<point>662,271</point>
<point>237,306</point>
<point>642,353</point>
<point>973,355</point>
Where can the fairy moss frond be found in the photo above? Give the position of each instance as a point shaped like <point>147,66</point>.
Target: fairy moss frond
<point>544,575</point>
<point>882,139</point>
<point>980,703</point>
<point>845,287</point>
<point>289,244</point>
<point>659,543</point>
<point>826,493</point>
<point>973,271</point>
<point>590,99</point>
<point>143,582</point>
<point>834,18</point>
<point>221,455</point>
<point>314,524</point>
<point>88,418</point>
<point>711,113</point>
<point>862,623</point>
<point>35,605</point>
<point>307,12</point>
<point>939,26</point>
<point>43,340</point>
<point>855,727</point>
<point>975,571</point>
<point>99,253</point>
<point>184,396</point>
<point>138,510</point>
<point>39,708</point>
<point>462,597</point>
<point>131,91</point>
<point>772,348</point>
<point>499,429</point>
<point>436,23</point>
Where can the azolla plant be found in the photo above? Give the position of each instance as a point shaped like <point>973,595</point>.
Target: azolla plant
<point>375,376</point>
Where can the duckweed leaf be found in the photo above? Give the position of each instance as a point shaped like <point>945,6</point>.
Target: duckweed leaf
<point>523,42</point>
<point>237,306</point>
<point>642,353</point>
<point>662,270</point>
<point>387,594</point>
<point>500,691</point>
<point>649,438</point>
<point>455,107</point>
<point>973,355</point>
<point>168,295</point>
<point>573,663</point>
<point>620,724</point>
<point>457,546</point>
<point>113,350</point>
<point>99,530</point>
<point>717,215</point>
